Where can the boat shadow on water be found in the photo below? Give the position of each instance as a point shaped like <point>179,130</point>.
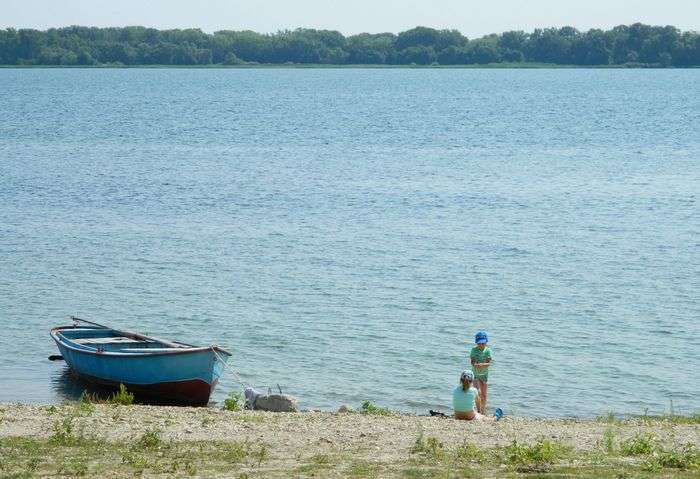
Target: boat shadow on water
<point>69,386</point>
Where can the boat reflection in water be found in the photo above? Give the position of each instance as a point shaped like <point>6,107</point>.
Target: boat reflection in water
<point>69,386</point>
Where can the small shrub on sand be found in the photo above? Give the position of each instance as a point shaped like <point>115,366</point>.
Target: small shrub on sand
<point>234,402</point>
<point>687,458</point>
<point>122,397</point>
<point>33,464</point>
<point>234,452</point>
<point>675,419</point>
<point>363,469</point>
<point>63,433</point>
<point>543,452</point>
<point>316,464</point>
<point>321,459</point>
<point>261,455</point>
<point>74,467</point>
<point>137,462</point>
<point>639,445</point>
<point>608,441</point>
<point>608,418</point>
<point>85,404</point>
<point>428,447</point>
<point>150,440</point>
<point>470,452</point>
<point>369,408</point>
<point>190,468</point>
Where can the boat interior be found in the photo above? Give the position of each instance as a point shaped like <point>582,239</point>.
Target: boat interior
<point>110,340</point>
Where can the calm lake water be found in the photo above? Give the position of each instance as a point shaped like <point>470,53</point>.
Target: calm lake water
<point>345,232</point>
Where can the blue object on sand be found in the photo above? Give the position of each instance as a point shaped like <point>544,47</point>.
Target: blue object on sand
<point>498,413</point>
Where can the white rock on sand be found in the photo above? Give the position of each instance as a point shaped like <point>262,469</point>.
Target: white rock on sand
<point>276,403</point>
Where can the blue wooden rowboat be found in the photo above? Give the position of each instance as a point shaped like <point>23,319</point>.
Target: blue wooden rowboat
<point>152,368</point>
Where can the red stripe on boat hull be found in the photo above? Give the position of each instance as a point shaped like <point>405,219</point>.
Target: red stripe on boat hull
<point>194,392</point>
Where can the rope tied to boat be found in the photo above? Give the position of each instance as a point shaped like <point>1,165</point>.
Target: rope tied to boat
<point>237,377</point>
<point>249,402</point>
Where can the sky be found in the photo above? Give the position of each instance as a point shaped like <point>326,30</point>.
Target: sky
<point>472,18</point>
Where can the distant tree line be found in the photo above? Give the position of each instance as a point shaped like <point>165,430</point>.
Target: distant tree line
<point>635,45</point>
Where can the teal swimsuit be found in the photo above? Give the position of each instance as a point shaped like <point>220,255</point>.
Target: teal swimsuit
<point>464,401</point>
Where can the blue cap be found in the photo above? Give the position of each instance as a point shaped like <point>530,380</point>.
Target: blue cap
<point>481,337</point>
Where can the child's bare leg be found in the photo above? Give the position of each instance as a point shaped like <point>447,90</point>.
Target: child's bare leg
<point>481,417</point>
<point>477,385</point>
<point>483,393</point>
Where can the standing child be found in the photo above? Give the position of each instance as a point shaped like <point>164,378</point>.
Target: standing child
<point>481,360</point>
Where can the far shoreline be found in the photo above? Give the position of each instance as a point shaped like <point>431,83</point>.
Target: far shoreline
<point>325,66</point>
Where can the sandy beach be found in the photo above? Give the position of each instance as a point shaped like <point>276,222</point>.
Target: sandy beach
<point>86,439</point>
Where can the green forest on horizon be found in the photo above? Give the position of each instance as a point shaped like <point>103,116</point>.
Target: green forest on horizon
<point>635,45</point>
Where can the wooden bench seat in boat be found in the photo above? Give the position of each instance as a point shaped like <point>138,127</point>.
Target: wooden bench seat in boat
<point>109,340</point>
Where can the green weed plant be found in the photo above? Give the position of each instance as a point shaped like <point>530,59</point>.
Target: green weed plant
<point>369,408</point>
<point>470,452</point>
<point>150,440</point>
<point>122,397</point>
<point>429,448</point>
<point>234,402</point>
<point>639,445</point>
<point>542,452</point>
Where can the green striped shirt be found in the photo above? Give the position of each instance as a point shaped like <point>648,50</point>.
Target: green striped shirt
<point>480,356</point>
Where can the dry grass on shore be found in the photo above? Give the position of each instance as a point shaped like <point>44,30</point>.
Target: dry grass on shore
<point>84,439</point>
